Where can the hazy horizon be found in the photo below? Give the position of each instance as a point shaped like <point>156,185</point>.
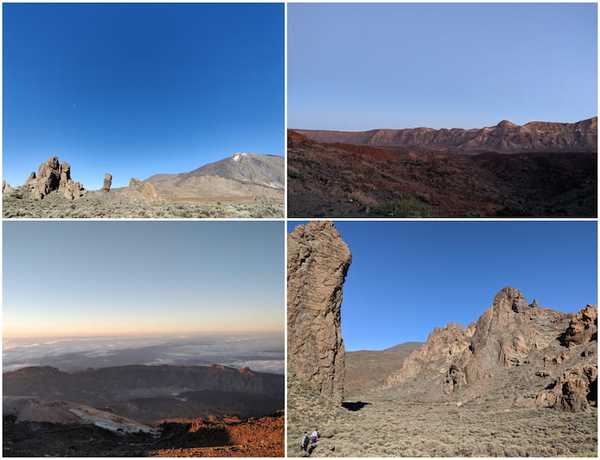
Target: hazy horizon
<point>363,66</point>
<point>100,279</point>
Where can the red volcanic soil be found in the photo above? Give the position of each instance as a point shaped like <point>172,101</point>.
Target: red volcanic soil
<point>255,437</point>
<point>261,437</point>
<point>347,180</point>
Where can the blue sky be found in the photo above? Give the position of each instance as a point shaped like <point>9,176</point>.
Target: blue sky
<point>359,67</point>
<point>140,89</point>
<point>111,278</point>
<point>408,277</point>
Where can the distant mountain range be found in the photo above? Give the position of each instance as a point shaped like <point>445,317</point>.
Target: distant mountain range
<point>505,137</point>
<point>151,393</point>
<point>139,411</point>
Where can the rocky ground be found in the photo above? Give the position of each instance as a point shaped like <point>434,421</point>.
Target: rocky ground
<point>344,180</point>
<point>390,425</point>
<point>118,205</point>
<point>261,437</point>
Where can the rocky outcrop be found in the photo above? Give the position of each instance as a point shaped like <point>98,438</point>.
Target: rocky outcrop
<point>575,390</point>
<point>107,182</point>
<point>51,176</point>
<point>513,341</point>
<point>146,189</point>
<point>505,137</point>
<point>582,328</point>
<point>443,346</point>
<point>318,260</point>
<point>506,333</point>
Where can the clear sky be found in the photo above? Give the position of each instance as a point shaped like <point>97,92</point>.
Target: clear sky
<point>368,66</point>
<point>140,89</point>
<point>110,278</point>
<point>408,277</point>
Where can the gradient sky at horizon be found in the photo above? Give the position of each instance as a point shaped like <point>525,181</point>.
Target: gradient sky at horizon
<point>408,277</point>
<point>76,278</point>
<point>140,89</point>
<point>367,66</point>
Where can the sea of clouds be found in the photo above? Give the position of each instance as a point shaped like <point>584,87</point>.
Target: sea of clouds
<point>261,352</point>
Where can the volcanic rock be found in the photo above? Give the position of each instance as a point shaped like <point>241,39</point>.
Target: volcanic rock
<point>582,328</point>
<point>52,175</point>
<point>513,341</point>
<point>107,182</point>
<point>6,188</point>
<point>318,260</point>
<point>575,390</point>
<point>442,348</point>
<point>146,189</point>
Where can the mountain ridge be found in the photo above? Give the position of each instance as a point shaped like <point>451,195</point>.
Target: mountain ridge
<point>505,137</point>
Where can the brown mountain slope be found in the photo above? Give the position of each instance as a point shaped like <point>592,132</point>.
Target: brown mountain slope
<point>366,369</point>
<point>344,180</point>
<point>241,176</point>
<point>505,137</point>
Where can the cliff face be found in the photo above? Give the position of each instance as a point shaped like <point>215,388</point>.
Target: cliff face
<point>318,260</point>
<point>505,137</point>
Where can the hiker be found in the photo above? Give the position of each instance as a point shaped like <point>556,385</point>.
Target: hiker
<point>314,438</point>
<point>304,442</point>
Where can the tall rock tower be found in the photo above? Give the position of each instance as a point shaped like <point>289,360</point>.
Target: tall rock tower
<point>318,260</point>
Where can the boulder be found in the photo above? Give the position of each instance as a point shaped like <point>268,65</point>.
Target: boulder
<point>318,260</point>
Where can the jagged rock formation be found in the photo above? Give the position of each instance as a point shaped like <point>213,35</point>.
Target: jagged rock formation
<point>550,356</point>
<point>145,189</point>
<point>582,328</point>
<point>575,390</point>
<point>107,182</point>
<point>318,260</point>
<point>52,175</point>
<point>505,137</point>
